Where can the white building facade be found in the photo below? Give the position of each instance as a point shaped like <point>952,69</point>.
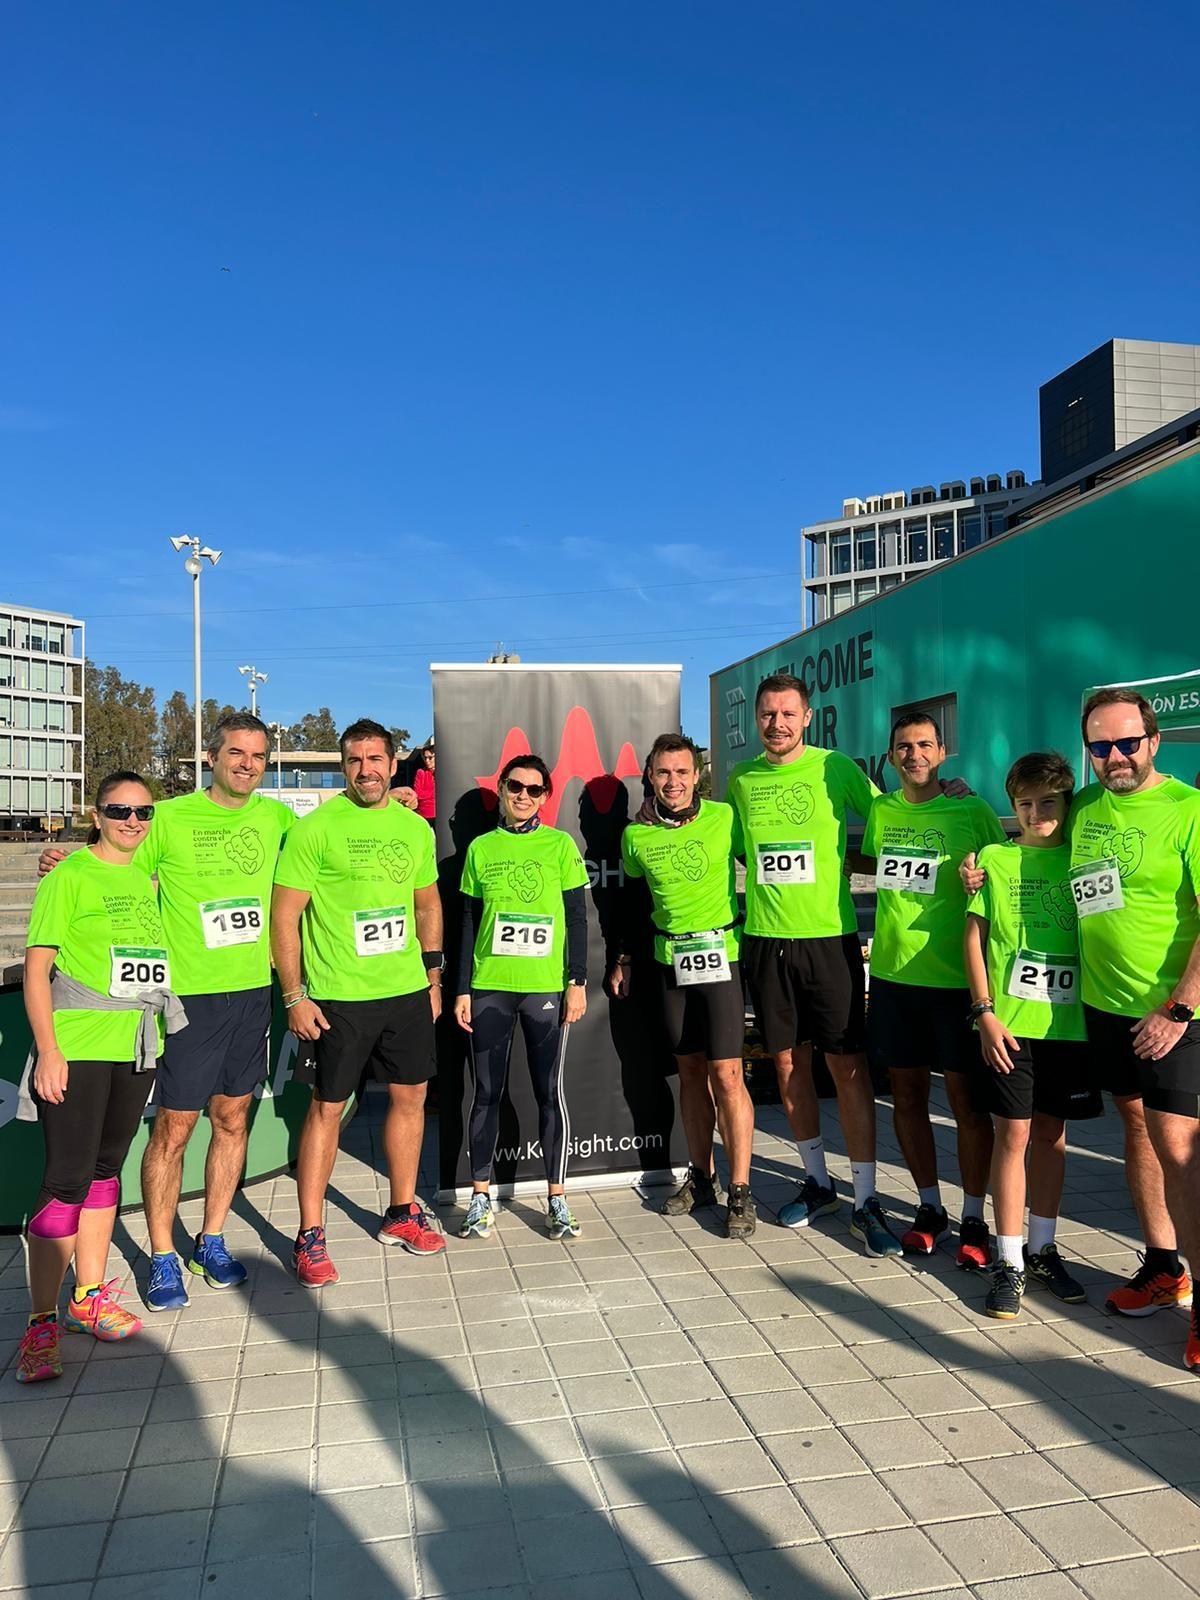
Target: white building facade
<point>41,716</point>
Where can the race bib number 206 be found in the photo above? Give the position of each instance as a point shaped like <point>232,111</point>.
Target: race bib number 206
<point>137,968</point>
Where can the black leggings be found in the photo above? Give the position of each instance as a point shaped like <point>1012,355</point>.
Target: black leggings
<point>494,1017</point>
<point>88,1136</point>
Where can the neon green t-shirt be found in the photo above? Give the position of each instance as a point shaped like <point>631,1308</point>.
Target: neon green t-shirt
<point>1032,940</point>
<point>690,873</point>
<point>793,822</point>
<point>215,867</point>
<point>1134,953</point>
<point>87,909</point>
<point>360,865</point>
<point>919,923</point>
<point>520,946</point>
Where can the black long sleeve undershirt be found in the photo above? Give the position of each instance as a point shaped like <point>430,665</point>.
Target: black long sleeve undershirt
<point>575,915</point>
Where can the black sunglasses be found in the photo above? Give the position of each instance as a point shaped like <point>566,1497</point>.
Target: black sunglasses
<point>1103,748</point>
<point>116,813</point>
<point>535,791</point>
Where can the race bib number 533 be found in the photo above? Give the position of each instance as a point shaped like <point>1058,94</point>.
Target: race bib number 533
<point>787,862</point>
<point>1096,886</point>
<point>136,968</point>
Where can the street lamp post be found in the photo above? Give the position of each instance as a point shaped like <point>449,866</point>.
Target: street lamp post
<point>254,677</point>
<point>198,554</point>
<point>278,730</point>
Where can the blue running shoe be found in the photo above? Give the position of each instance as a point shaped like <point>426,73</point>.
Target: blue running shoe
<point>165,1291</point>
<point>814,1200</point>
<point>869,1224</point>
<point>212,1262</point>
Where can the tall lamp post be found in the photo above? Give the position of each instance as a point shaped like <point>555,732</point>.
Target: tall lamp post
<point>198,554</point>
<point>254,678</point>
<point>278,730</point>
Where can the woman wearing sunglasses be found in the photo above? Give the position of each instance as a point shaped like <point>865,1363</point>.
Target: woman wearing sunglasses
<point>523,960</point>
<point>97,987</point>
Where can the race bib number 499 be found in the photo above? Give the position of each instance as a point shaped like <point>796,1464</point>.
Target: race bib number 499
<point>381,933</point>
<point>787,862</point>
<point>135,969</point>
<point>914,870</point>
<point>226,922</point>
<point>1054,980</point>
<point>702,959</point>
<point>1096,886</point>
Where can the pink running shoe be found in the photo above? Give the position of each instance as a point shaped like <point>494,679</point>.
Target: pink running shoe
<point>100,1314</point>
<point>39,1357</point>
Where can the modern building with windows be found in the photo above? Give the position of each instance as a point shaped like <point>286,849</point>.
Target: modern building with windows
<point>878,543</point>
<point>41,717</point>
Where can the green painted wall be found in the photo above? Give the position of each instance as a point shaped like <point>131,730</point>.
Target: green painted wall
<point>1018,629</point>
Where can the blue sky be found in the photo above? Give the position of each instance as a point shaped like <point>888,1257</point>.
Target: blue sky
<point>544,324</point>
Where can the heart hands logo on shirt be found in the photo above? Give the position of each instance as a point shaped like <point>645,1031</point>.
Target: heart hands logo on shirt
<point>931,839</point>
<point>525,881</point>
<point>1058,904</point>
<point>147,915</point>
<point>795,802</point>
<point>245,850</point>
<point>1127,847</point>
<point>396,860</point>
<point>691,859</point>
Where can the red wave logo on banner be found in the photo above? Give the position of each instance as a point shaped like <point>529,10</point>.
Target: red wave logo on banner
<point>578,757</point>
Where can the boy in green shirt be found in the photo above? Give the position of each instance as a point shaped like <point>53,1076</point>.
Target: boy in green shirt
<point>1022,957</point>
<point>917,1020</point>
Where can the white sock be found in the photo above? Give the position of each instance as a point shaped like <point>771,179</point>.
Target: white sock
<point>1008,1250</point>
<point>972,1206</point>
<point>812,1153</point>
<point>863,1174</point>
<point>931,1196</point>
<point>1041,1232</point>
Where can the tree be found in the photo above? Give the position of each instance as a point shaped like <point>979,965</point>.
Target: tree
<point>121,724</point>
<point>316,730</point>
<point>401,736</point>
<point>176,752</point>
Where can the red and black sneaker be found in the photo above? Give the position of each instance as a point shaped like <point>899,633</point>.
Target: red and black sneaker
<point>930,1226</point>
<point>974,1245</point>
<point>411,1229</point>
<point>1149,1290</point>
<point>311,1259</point>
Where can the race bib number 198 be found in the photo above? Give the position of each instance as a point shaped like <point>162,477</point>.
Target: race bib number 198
<point>1096,886</point>
<point>226,922</point>
<point>381,933</point>
<point>137,968</point>
<point>787,862</point>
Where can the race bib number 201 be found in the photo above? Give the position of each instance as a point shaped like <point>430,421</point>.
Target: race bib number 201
<point>381,933</point>
<point>137,968</point>
<point>787,862</point>
<point>1096,886</point>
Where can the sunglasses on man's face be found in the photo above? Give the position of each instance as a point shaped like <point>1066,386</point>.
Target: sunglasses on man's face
<point>116,813</point>
<point>535,791</point>
<point>1103,748</point>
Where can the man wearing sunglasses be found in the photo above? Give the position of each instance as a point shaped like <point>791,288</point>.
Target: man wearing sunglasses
<point>1135,878</point>
<point>213,853</point>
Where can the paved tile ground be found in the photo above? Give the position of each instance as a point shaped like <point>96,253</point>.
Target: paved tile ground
<point>647,1413</point>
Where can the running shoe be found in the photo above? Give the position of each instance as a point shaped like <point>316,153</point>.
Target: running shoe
<point>165,1291</point>
<point>696,1190</point>
<point>869,1224</point>
<point>813,1200</point>
<point>1004,1292</point>
<point>974,1245</point>
<point>479,1218</point>
<point>98,1313</point>
<point>1191,1354</point>
<point>930,1226</point>
<point>38,1357</point>
<point>1148,1291</point>
<point>411,1230</point>
<point>310,1257</point>
<point>560,1220</point>
<point>1047,1268</point>
<point>212,1262</point>
<point>741,1219</point>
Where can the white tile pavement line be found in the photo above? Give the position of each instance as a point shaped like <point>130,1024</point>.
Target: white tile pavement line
<point>648,1412</point>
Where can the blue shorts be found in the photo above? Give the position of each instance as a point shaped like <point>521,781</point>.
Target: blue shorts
<point>223,1049</point>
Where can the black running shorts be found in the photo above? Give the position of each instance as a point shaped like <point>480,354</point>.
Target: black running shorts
<point>223,1049</point>
<point>911,1025</point>
<point>1052,1076</point>
<point>807,990</point>
<point>707,1019</point>
<point>392,1038</point>
<point>1172,1084</point>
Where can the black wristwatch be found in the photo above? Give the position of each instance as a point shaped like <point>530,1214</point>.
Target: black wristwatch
<point>1178,1012</point>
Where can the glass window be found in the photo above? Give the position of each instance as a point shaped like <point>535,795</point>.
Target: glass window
<point>57,637</point>
<point>58,797</point>
<point>997,521</point>
<point>6,670</point>
<point>37,755</point>
<point>37,675</point>
<point>5,710</point>
<point>889,544</point>
<point>20,713</point>
<point>37,795</point>
<point>816,557</point>
<point>5,786</point>
<point>864,589</point>
<point>864,555</point>
<point>943,537</point>
<point>20,676</point>
<point>56,719</point>
<point>890,580</point>
<point>20,634</point>
<point>37,713</point>
<point>972,529</point>
<point>56,677</point>
<point>839,551</point>
<point>839,596</point>
<point>56,756</point>
<point>37,635</point>
<point>917,534</point>
<point>20,750</point>
<point>20,796</point>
